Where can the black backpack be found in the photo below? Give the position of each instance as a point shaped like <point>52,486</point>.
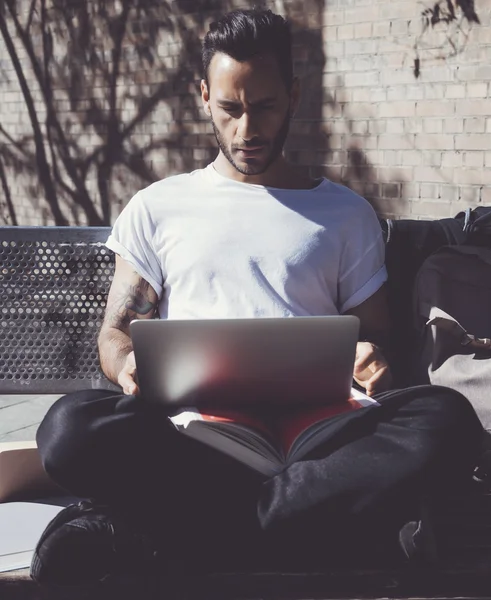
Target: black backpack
<point>476,225</point>
<point>440,303</point>
<point>408,244</point>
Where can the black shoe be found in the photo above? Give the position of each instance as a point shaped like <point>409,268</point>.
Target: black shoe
<point>85,543</point>
<point>418,543</point>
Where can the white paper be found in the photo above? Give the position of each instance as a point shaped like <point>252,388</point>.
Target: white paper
<point>362,398</point>
<point>21,526</point>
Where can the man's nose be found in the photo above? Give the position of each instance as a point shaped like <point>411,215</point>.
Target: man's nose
<point>247,128</point>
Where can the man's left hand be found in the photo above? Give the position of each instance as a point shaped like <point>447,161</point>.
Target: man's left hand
<point>371,369</point>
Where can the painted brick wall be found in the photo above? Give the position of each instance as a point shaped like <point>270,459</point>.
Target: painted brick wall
<point>426,139</point>
<point>400,113</point>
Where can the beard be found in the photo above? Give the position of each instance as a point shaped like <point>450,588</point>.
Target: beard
<point>276,148</point>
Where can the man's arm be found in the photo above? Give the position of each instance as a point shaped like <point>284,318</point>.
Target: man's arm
<point>130,297</point>
<point>371,367</point>
<point>374,319</point>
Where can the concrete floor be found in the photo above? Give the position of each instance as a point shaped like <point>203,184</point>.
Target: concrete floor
<point>20,416</point>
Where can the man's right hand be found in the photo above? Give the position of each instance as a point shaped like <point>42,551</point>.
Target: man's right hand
<point>127,376</point>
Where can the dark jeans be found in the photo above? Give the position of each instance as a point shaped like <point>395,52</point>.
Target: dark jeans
<point>119,450</point>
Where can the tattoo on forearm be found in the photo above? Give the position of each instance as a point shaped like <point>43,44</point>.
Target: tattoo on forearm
<point>128,305</point>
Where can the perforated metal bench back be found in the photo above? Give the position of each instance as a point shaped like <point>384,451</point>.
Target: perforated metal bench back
<point>53,287</point>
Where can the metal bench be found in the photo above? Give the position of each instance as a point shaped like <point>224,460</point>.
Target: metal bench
<point>53,287</point>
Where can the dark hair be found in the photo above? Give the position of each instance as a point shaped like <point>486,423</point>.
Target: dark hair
<point>243,34</point>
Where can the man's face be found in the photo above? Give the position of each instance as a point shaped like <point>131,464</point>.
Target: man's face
<point>250,109</point>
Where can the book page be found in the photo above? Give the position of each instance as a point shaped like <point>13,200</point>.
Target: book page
<point>294,424</point>
<point>264,441</point>
<point>225,417</point>
<point>245,429</point>
<point>244,437</point>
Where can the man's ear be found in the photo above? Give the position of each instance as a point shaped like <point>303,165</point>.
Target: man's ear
<point>205,97</point>
<point>295,96</point>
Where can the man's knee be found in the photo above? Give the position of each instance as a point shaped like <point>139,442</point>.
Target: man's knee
<point>449,423</point>
<point>440,418</point>
<point>452,408</point>
<point>63,433</point>
<point>439,407</point>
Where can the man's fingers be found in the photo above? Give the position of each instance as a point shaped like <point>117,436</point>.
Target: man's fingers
<point>127,378</point>
<point>368,367</point>
<point>366,356</point>
<point>128,384</point>
<point>380,381</point>
<point>363,362</point>
<point>371,370</point>
<point>364,371</point>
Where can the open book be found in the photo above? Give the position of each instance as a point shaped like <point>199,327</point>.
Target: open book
<point>267,445</point>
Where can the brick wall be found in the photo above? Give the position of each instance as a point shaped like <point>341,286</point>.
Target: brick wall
<point>426,139</point>
<point>400,113</point>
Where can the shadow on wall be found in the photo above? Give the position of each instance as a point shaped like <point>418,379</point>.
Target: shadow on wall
<point>111,102</point>
<point>453,17</point>
<point>327,133</point>
<point>107,87</point>
<point>323,134</point>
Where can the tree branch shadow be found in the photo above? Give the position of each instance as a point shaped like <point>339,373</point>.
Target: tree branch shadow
<point>455,18</point>
<point>118,104</point>
<point>98,95</point>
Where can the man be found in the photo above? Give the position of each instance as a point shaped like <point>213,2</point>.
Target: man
<point>248,236</point>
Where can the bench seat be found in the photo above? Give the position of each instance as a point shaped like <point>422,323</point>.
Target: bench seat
<point>53,285</point>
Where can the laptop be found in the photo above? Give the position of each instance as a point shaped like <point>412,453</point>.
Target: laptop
<point>244,361</point>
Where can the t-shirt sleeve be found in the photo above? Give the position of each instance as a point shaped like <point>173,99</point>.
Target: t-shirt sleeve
<point>362,270</point>
<point>132,238</point>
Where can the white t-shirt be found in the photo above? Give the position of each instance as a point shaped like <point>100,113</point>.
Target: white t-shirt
<point>212,247</point>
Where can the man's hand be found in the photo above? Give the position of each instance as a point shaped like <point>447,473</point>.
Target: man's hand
<point>127,376</point>
<point>371,369</point>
